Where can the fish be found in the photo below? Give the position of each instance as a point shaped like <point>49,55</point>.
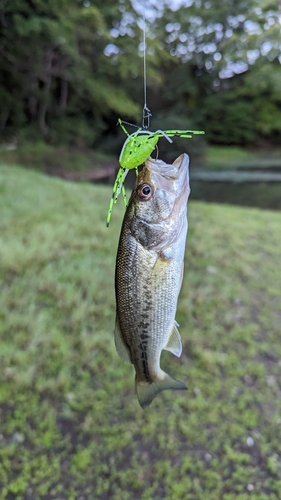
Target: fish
<point>149,273</point>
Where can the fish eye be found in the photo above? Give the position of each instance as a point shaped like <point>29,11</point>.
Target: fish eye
<point>144,192</point>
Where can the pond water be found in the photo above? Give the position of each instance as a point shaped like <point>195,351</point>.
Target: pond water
<point>235,190</point>
<point>251,194</point>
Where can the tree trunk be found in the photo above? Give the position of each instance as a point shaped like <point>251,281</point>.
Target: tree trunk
<point>63,96</point>
<point>4,118</point>
<point>47,87</point>
<point>33,101</point>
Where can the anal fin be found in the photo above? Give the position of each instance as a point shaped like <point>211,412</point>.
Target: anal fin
<point>174,343</point>
<point>120,345</point>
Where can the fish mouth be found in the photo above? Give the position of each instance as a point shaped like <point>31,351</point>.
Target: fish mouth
<point>168,171</point>
<point>157,224</point>
<point>170,177</point>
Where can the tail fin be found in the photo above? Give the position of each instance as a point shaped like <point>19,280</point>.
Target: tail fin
<point>146,391</point>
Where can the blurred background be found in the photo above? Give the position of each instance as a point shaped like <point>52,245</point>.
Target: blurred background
<point>70,69</point>
<point>70,424</point>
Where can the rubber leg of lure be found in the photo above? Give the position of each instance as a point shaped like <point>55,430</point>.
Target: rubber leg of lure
<point>123,176</point>
<point>118,186</point>
<point>109,211</point>
<point>161,132</point>
<point>124,196</point>
<point>183,133</point>
<point>120,122</point>
<point>115,192</point>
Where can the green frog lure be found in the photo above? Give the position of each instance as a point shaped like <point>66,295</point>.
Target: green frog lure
<point>136,150</point>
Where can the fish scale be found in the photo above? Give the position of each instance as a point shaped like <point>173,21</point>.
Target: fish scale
<point>148,277</point>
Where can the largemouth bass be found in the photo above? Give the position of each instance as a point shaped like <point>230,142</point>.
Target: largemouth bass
<point>149,271</point>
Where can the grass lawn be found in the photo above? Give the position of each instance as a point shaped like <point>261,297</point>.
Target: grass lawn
<point>229,157</point>
<point>46,158</point>
<point>71,426</point>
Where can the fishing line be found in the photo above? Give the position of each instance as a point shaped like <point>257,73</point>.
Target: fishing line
<point>146,114</point>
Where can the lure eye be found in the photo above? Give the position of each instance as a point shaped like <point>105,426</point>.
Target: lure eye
<point>144,192</point>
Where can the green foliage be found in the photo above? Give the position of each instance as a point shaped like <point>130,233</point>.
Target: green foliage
<point>54,69</point>
<point>225,72</point>
<point>229,121</point>
<point>195,147</point>
<point>71,426</point>
<point>68,70</point>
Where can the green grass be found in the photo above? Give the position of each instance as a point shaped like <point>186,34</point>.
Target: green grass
<point>43,157</point>
<point>71,427</point>
<point>223,157</point>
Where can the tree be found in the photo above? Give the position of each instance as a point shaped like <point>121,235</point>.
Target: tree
<point>69,69</point>
<point>224,73</point>
<point>54,71</point>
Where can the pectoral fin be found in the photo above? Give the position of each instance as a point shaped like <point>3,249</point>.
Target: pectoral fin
<point>120,345</point>
<point>174,342</point>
